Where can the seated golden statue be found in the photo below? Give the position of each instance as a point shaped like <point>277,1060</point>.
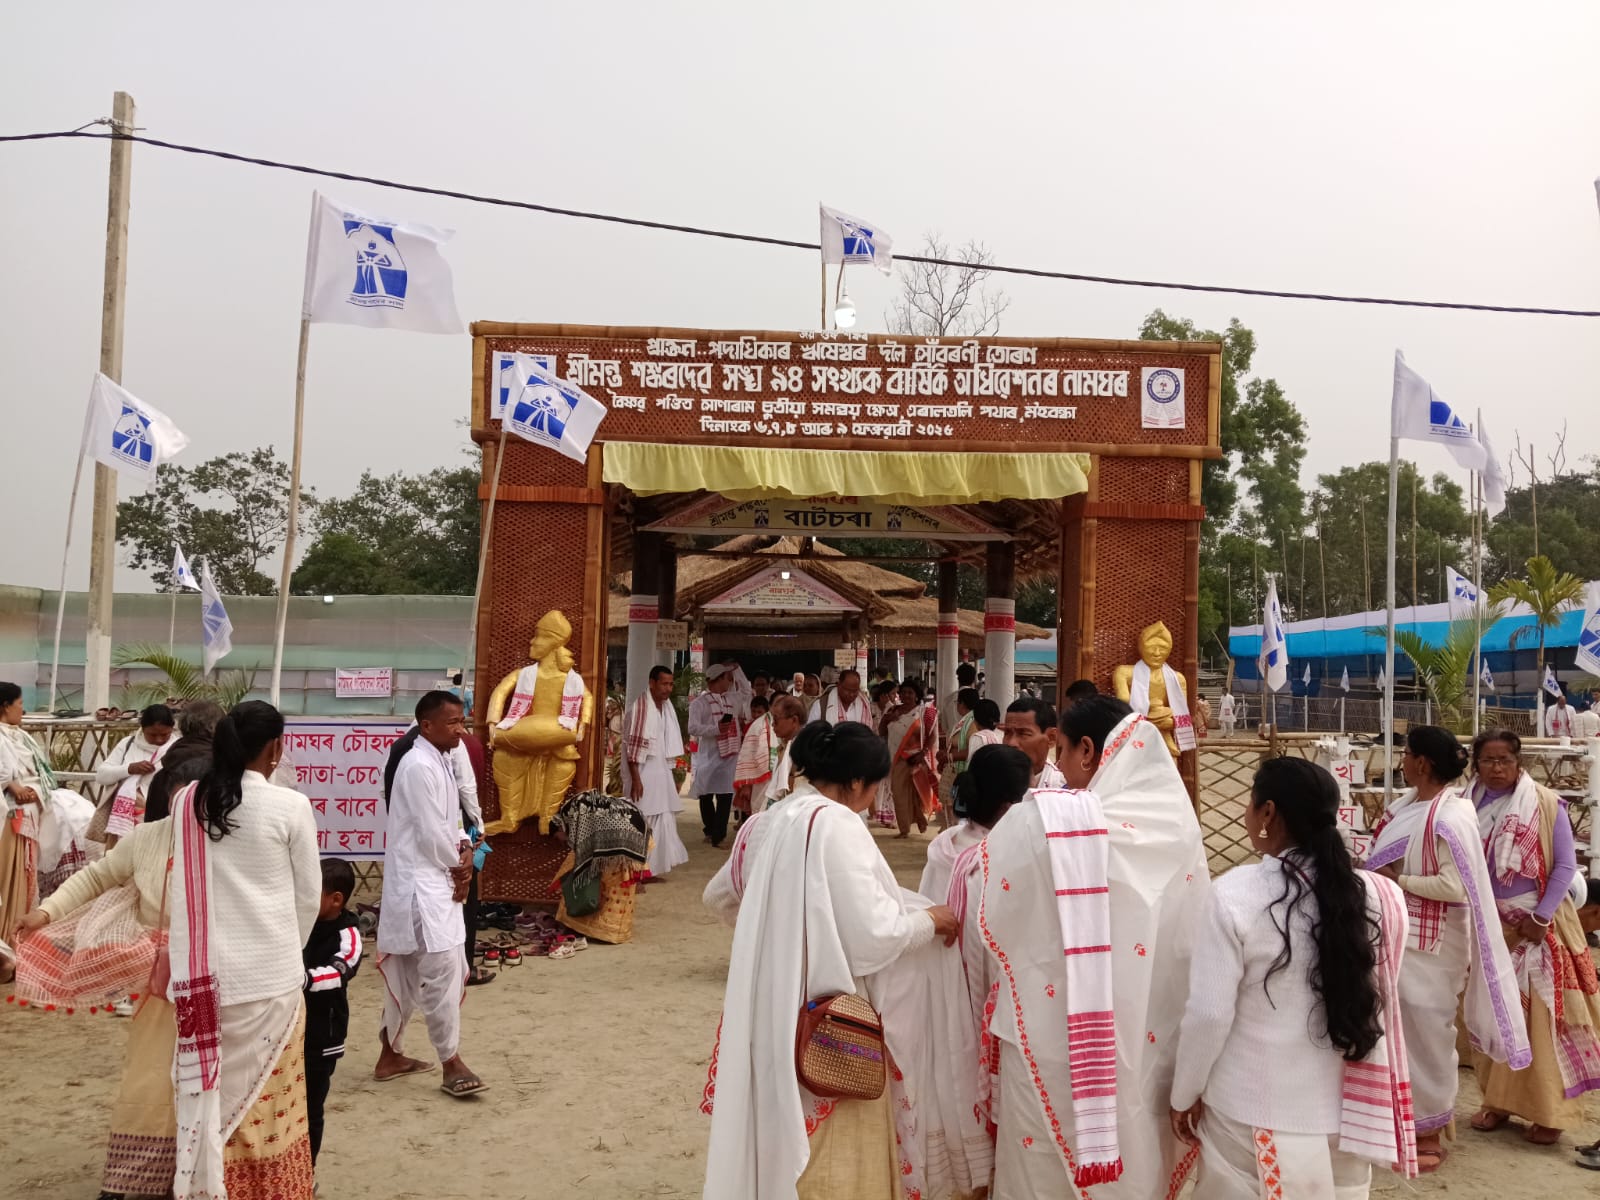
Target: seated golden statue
<point>537,717</point>
<point>1156,690</point>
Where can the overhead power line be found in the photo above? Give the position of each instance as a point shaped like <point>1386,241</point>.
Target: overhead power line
<point>789,243</point>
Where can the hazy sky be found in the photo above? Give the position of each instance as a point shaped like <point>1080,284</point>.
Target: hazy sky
<point>1435,150</point>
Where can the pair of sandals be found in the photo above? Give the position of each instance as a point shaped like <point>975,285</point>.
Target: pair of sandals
<point>1488,1120</point>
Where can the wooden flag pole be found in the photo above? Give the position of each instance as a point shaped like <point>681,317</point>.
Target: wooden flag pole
<point>469,667</point>
<point>294,505</point>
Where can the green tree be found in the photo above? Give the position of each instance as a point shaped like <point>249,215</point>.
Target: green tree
<point>1444,670</point>
<point>1547,592</point>
<point>396,535</point>
<point>229,511</point>
<point>1569,526</point>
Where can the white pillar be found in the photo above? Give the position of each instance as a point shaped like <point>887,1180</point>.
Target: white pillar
<point>1000,650</point>
<point>643,612</point>
<point>861,660</point>
<point>947,651</point>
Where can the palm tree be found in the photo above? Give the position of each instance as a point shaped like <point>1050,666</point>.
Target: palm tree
<point>1445,670</point>
<point>1547,593</point>
<point>182,679</point>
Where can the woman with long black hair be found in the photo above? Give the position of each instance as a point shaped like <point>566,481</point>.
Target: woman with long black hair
<point>1428,843</point>
<point>1285,994</point>
<point>245,889</point>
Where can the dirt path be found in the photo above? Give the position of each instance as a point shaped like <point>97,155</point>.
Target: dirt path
<point>596,1066</point>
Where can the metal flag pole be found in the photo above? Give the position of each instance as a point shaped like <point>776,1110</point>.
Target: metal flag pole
<point>66,547</point>
<point>282,622</point>
<point>1388,645</point>
<point>469,669</point>
<point>1477,586</point>
<point>172,624</point>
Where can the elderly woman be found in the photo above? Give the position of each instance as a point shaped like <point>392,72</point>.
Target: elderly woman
<point>186,759</point>
<point>129,769</point>
<point>1528,842</point>
<point>819,915</point>
<point>1428,842</point>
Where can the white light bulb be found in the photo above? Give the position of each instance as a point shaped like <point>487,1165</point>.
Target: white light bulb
<point>844,313</point>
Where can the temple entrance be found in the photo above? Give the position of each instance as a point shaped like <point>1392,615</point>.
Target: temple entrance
<point>729,463</point>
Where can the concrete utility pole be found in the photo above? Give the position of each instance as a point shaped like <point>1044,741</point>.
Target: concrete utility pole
<point>103,540</point>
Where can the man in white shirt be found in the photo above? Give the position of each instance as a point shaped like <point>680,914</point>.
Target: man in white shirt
<point>844,703</point>
<point>1227,713</point>
<point>1586,724</point>
<point>714,723</point>
<point>1558,718</point>
<point>427,873</point>
<point>1030,726</point>
<point>651,745</point>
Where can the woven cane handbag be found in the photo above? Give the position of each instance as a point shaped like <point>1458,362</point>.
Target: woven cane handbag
<point>838,1046</point>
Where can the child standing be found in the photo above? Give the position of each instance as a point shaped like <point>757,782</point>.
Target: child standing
<point>332,954</point>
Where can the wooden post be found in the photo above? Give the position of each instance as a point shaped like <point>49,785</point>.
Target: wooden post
<point>103,538</point>
<point>1366,563</point>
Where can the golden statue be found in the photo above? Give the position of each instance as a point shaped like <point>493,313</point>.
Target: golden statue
<point>537,717</point>
<point>1156,690</point>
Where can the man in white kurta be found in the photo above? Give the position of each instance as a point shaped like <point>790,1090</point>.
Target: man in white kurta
<point>427,871</point>
<point>714,724</point>
<point>651,743</point>
<point>844,703</point>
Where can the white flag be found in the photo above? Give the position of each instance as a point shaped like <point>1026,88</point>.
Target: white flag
<point>181,575</point>
<point>503,366</point>
<point>1274,644</point>
<point>1463,595</point>
<point>1417,412</point>
<point>550,411</point>
<point>1493,477</point>
<point>1486,675</point>
<point>384,274</point>
<point>1588,657</point>
<point>215,628</point>
<point>1306,678</point>
<point>1383,679</point>
<point>1344,680</point>
<point>1551,683</point>
<point>125,433</point>
<point>847,239</point>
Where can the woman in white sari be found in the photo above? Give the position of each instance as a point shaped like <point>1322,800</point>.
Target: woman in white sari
<point>1285,1080</point>
<point>1428,843</point>
<point>42,823</point>
<point>1074,948</point>
<point>819,914</point>
<point>246,886</point>
<point>129,768</point>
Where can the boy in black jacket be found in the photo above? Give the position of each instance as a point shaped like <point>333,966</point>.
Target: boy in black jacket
<point>332,954</point>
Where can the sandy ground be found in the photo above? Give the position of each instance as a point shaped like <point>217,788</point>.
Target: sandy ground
<point>596,1066</point>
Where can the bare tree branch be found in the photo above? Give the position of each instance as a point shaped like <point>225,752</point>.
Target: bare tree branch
<point>947,301</point>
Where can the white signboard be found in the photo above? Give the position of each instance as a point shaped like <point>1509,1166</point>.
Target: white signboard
<point>339,765</point>
<point>845,658</point>
<point>844,516</point>
<point>781,589</point>
<point>351,683</point>
<point>672,635</point>
<point>1161,399</point>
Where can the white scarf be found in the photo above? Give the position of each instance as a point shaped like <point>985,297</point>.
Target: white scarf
<point>522,698</point>
<point>1139,701</point>
<point>859,709</point>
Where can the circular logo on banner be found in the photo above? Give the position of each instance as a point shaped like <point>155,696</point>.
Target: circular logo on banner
<point>1163,386</point>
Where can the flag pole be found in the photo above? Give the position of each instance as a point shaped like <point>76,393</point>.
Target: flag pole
<point>294,505</point>
<point>825,293</point>
<point>172,625</point>
<point>66,547</point>
<point>1477,586</point>
<point>469,668</point>
<point>1388,647</point>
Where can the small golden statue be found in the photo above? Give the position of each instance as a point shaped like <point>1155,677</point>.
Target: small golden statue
<point>537,717</point>
<point>1153,688</point>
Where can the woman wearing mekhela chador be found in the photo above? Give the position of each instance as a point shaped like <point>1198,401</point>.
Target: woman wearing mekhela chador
<point>1087,909</point>
<point>1532,862</point>
<point>1428,842</point>
<point>820,915</point>
<point>128,771</point>
<point>1291,1060</point>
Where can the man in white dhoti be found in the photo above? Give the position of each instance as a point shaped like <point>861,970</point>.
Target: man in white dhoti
<point>427,873</point>
<point>766,745</point>
<point>714,723</point>
<point>1030,726</point>
<point>844,703</point>
<point>1227,714</point>
<point>651,743</point>
<point>1086,912</point>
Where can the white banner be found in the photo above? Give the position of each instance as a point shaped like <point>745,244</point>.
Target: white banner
<point>1161,397</point>
<point>339,766</point>
<point>350,683</point>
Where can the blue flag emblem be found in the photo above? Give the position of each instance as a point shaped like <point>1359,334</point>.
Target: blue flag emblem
<point>1589,638</point>
<point>130,437</point>
<point>543,410</point>
<point>212,619</point>
<point>858,245</point>
<point>503,366</point>
<point>1443,422</point>
<point>380,279</point>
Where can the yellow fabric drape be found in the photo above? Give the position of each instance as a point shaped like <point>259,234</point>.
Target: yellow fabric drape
<point>890,476</point>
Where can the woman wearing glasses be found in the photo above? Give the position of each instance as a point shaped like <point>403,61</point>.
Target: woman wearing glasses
<point>1428,843</point>
<point>1532,862</point>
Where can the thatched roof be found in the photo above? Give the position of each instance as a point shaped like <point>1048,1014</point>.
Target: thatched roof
<point>900,613</point>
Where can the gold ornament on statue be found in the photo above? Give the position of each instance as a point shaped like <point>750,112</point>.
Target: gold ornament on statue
<point>1156,690</point>
<point>537,717</point>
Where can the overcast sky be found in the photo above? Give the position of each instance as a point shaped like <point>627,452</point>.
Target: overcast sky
<point>1434,150</point>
